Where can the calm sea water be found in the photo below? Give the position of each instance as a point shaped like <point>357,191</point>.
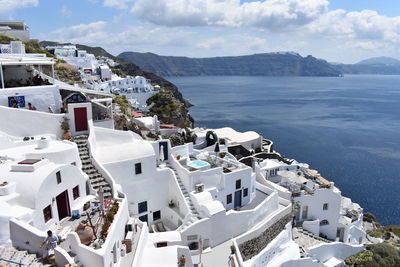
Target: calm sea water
<point>348,128</point>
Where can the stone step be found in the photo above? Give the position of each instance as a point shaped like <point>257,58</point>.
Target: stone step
<point>91,171</point>
<point>88,167</point>
<point>97,180</point>
<point>86,161</point>
<point>94,175</point>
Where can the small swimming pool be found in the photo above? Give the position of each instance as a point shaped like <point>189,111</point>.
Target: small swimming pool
<point>198,164</point>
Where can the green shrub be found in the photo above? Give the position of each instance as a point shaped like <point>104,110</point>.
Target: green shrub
<point>6,40</point>
<point>375,233</point>
<point>378,255</point>
<point>360,259</point>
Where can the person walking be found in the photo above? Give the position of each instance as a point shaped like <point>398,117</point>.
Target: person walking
<point>51,243</point>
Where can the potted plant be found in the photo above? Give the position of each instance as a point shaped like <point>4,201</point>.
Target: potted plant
<point>171,204</point>
<point>65,127</point>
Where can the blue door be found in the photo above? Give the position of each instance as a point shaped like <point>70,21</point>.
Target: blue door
<point>238,198</point>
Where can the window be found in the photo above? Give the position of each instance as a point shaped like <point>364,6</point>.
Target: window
<point>324,222</point>
<point>47,213</point>
<point>142,206</point>
<point>138,168</point>
<point>58,176</point>
<point>156,215</point>
<point>245,192</point>
<point>325,207</point>
<point>75,192</point>
<point>229,199</point>
<point>238,184</point>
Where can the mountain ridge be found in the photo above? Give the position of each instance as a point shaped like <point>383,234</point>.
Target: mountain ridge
<point>379,61</point>
<point>262,64</point>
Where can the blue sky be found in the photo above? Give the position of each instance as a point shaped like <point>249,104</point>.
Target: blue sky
<point>337,30</point>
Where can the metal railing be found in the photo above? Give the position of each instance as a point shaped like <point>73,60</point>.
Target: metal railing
<point>14,262</point>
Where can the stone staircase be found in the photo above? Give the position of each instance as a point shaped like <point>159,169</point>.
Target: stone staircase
<point>20,258</point>
<point>96,179</point>
<point>194,215</point>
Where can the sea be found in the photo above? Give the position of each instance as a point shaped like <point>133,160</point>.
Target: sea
<point>348,128</point>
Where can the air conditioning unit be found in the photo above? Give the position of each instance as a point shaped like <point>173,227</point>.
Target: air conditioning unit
<point>199,188</point>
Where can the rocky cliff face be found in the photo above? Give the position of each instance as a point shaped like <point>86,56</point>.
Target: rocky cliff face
<point>268,64</point>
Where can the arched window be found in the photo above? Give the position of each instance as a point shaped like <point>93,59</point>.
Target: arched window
<point>324,222</point>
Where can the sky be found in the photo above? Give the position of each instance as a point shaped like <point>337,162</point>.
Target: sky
<point>344,31</point>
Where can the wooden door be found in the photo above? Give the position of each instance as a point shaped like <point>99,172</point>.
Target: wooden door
<point>81,121</point>
<point>63,205</point>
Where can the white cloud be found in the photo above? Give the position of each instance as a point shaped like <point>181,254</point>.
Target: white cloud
<point>311,17</point>
<point>65,11</point>
<point>363,25</point>
<point>85,33</point>
<point>233,44</point>
<point>119,4</point>
<point>133,38</point>
<point>274,15</point>
<point>7,6</point>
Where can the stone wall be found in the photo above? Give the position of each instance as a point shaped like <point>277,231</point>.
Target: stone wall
<point>254,246</point>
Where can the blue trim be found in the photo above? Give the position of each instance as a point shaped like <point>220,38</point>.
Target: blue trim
<point>20,264</point>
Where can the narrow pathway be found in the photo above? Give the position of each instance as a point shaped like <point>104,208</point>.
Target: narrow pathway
<point>194,214</point>
<point>306,239</point>
<point>96,179</point>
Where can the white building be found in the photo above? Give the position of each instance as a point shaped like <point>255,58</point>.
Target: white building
<point>20,85</point>
<point>237,143</point>
<point>42,183</point>
<point>147,203</point>
<point>318,205</point>
<point>15,29</point>
<point>105,72</point>
<point>76,57</point>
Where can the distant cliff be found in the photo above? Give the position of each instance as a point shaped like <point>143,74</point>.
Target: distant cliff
<point>375,65</point>
<point>267,64</point>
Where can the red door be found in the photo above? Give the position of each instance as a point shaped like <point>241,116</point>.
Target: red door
<point>81,123</point>
<point>63,205</point>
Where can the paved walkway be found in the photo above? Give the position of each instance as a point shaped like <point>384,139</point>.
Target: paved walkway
<point>305,239</point>
<point>217,256</point>
<point>260,197</point>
